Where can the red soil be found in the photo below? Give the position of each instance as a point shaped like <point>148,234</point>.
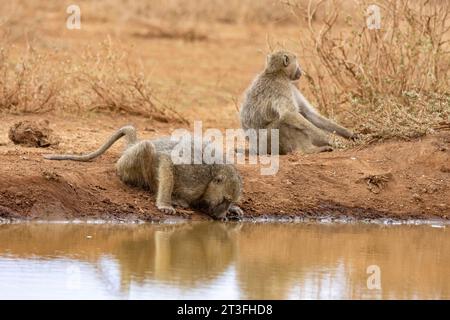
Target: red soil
<point>401,180</point>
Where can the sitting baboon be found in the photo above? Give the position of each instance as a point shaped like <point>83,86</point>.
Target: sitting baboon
<point>212,188</point>
<point>274,102</point>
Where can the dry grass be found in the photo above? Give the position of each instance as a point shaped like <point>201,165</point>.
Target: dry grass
<point>174,19</point>
<point>230,11</point>
<point>103,79</point>
<point>110,82</point>
<point>26,85</point>
<point>392,82</point>
<point>387,83</point>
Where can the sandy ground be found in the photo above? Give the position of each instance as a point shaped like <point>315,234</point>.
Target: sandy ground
<point>400,180</point>
<point>203,79</point>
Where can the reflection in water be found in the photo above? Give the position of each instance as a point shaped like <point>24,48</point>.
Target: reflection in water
<point>209,260</point>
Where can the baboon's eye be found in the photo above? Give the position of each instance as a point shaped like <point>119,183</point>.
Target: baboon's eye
<point>286,61</point>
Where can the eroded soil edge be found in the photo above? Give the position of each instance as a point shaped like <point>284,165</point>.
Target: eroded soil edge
<point>398,180</point>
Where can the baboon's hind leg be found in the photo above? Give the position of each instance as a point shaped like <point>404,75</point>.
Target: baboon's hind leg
<point>314,149</point>
<point>135,166</point>
<point>298,134</point>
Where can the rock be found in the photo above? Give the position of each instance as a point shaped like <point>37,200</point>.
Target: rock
<point>32,134</point>
<point>7,213</point>
<point>51,176</point>
<point>445,169</point>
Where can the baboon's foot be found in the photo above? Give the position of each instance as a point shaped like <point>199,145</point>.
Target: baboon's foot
<point>325,149</point>
<point>166,209</point>
<point>312,150</point>
<point>319,149</point>
<point>181,203</point>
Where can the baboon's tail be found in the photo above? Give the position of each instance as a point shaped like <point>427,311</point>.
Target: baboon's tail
<point>128,131</point>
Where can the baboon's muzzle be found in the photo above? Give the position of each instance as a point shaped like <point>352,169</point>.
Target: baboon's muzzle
<point>221,210</point>
<point>217,212</point>
<point>298,74</point>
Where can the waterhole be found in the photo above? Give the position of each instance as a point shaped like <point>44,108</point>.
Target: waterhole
<point>209,260</point>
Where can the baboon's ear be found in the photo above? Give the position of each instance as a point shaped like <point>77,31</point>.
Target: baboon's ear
<point>286,60</point>
<point>219,178</point>
<point>268,58</point>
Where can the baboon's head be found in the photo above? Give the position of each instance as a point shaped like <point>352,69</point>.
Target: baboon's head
<point>224,189</point>
<point>284,62</point>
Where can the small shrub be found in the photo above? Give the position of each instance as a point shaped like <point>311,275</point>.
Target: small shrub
<point>391,82</point>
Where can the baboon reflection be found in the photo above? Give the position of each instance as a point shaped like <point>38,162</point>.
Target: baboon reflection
<point>185,254</point>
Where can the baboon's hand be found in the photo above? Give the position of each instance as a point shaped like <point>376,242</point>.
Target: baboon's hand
<point>167,209</point>
<point>355,137</point>
<point>236,211</point>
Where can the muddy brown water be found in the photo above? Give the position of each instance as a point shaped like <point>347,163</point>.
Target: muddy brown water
<point>224,261</point>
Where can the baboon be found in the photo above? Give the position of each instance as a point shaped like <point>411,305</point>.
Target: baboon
<point>274,102</point>
<point>211,188</point>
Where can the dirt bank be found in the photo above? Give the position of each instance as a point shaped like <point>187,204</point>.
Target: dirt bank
<point>400,180</point>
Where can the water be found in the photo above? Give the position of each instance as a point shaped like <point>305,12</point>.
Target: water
<point>224,261</point>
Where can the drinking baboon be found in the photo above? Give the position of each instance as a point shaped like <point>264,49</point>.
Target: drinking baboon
<point>212,188</point>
